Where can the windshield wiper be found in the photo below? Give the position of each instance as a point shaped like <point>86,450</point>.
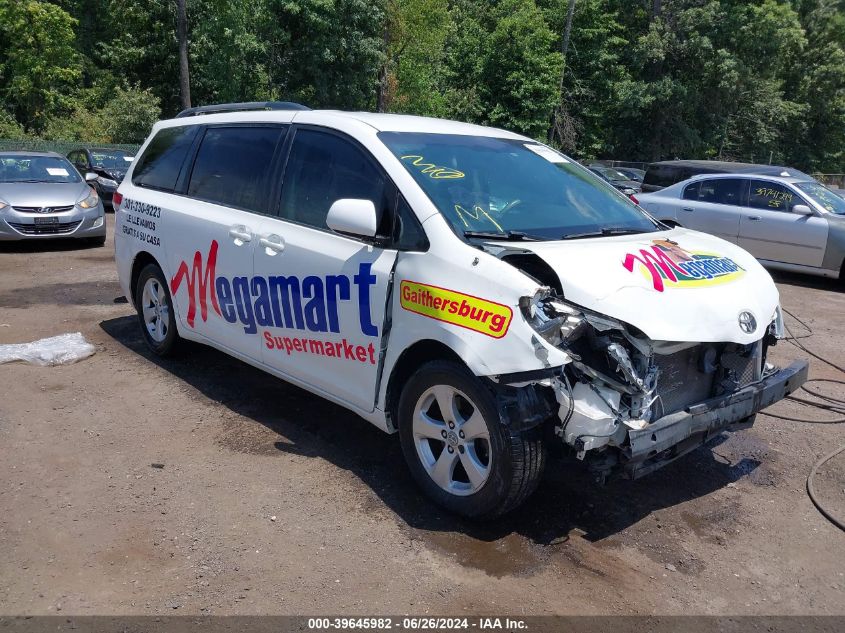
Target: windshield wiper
<point>507,236</point>
<point>603,233</point>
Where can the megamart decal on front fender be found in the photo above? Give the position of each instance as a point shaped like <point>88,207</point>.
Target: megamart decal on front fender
<point>667,262</point>
<point>457,308</point>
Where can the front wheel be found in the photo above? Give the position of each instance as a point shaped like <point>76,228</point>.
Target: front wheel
<point>155,311</point>
<point>458,450</point>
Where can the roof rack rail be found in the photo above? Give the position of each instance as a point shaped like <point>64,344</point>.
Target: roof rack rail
<point>242,107</point>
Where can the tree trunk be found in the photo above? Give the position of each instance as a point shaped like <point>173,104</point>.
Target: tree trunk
<point>564,49</point>
<point>182,36</point>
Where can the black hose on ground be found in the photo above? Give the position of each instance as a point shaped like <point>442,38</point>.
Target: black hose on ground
<point>829,404</point>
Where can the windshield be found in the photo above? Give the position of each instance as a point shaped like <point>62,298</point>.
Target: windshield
<point>111,159</point>
<point>511,187</point>
<point>25,168</point>
<point>823,196</point>
<point>612,174</point>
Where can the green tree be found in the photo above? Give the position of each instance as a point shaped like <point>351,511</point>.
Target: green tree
<point>415,34</point>
<point>326,53</point>
<point>40,67</point>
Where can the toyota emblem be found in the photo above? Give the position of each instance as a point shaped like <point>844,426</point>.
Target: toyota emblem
<point>747,322</point>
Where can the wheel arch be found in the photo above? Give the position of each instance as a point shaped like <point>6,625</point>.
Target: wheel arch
<point>409,361</point>
<point>142,258</point>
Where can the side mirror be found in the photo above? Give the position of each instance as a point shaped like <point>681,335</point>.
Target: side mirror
<point>802,209</point>
<point>90,177</point>
<point>353,217</point>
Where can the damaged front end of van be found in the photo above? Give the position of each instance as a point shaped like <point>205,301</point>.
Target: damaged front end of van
<point>660,356</point>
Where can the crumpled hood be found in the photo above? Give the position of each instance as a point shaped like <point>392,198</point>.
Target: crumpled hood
<point>677,285</point>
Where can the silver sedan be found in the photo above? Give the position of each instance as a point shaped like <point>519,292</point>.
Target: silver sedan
<point>43,196</point>
<point>788,223</point>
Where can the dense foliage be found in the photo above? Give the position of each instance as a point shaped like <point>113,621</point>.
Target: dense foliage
<point>636,79</point>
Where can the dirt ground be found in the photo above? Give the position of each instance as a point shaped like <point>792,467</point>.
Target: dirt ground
<point>273,501</point>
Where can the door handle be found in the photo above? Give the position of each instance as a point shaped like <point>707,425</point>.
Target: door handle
<point>272,244</point>
<point>240,234</point>
<point>688,209</point>
<point>754,218</point>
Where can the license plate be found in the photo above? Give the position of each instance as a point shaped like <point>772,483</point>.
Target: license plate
<point>46,220</point>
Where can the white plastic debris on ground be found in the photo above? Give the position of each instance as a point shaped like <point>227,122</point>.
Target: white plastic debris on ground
<point>55,350</point>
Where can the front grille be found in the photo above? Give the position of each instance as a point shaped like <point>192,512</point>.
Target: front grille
<point>45,229</point>
<point>742,364</point>
<point>681,381</point>
<point>44,209</point>
<point>704,371</point>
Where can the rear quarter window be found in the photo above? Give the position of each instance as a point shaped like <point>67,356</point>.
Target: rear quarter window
<point>662,175</point>
<point>163,159</point>
<point>233,166</point>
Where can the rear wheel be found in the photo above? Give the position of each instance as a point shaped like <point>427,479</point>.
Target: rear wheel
<point>155,311</point>
<point>458,450</point>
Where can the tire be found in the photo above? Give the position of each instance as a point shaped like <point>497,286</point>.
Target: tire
<point>506,465</point>
<point>97,241</point>
<point>155,311</point>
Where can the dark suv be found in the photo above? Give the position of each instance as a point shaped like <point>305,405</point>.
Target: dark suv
<point>110,166</point>
<point>668,172</point>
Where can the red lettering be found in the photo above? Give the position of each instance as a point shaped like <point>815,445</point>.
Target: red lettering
<point>652,262</point>
<point>199,281</point>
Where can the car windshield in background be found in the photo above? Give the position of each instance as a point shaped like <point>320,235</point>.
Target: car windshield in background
<point>512,189</point>
<point>36,169</point>
<point>612,174</point>
<point>823,196</point>
<point>111,160</point>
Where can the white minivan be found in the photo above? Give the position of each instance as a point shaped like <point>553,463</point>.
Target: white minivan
<point>471,289</point>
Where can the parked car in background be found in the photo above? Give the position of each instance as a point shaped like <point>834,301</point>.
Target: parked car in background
<point>631,173</point>
<point>668,172</point>
<point>617,179</point>
<point>110,166</point>
<point>788,223</point>
<point>43,196</point>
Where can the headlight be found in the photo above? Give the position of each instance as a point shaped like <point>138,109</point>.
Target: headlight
<point>90,201</point>
<point>3,204</point>
<point>106,182</point>
<point>552,319</point>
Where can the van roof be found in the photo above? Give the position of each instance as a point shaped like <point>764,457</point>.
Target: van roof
<point>381,122</point>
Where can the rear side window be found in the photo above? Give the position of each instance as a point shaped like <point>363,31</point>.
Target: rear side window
<point>322,169</point>
<point>661,175</point>
<point>717,191</point>
<point>160,164</point>
<point>233,165</point>
<point>773,196</point>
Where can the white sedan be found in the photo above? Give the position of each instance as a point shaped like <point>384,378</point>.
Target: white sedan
<point>787,223</point>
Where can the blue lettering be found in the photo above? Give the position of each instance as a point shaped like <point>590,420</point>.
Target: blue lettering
<point>286,290</point>
<point>240,287</point>
<point>364,279</point>
<point>224,298</point>
<point>315,309</point>
<point>337,289</point>
<point>263,314</point>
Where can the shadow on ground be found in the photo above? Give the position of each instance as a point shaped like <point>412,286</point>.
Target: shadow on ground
<point>808,281</point>
<point>311,426</point>
<point>53,245</point>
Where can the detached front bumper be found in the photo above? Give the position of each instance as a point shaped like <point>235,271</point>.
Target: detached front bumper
<point>676,434</point>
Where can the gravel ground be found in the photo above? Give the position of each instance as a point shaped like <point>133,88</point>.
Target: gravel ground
<point>269,500</point>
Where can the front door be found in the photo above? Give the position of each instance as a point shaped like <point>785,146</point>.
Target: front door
<point>325,294</point>
<point>770,230</point>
